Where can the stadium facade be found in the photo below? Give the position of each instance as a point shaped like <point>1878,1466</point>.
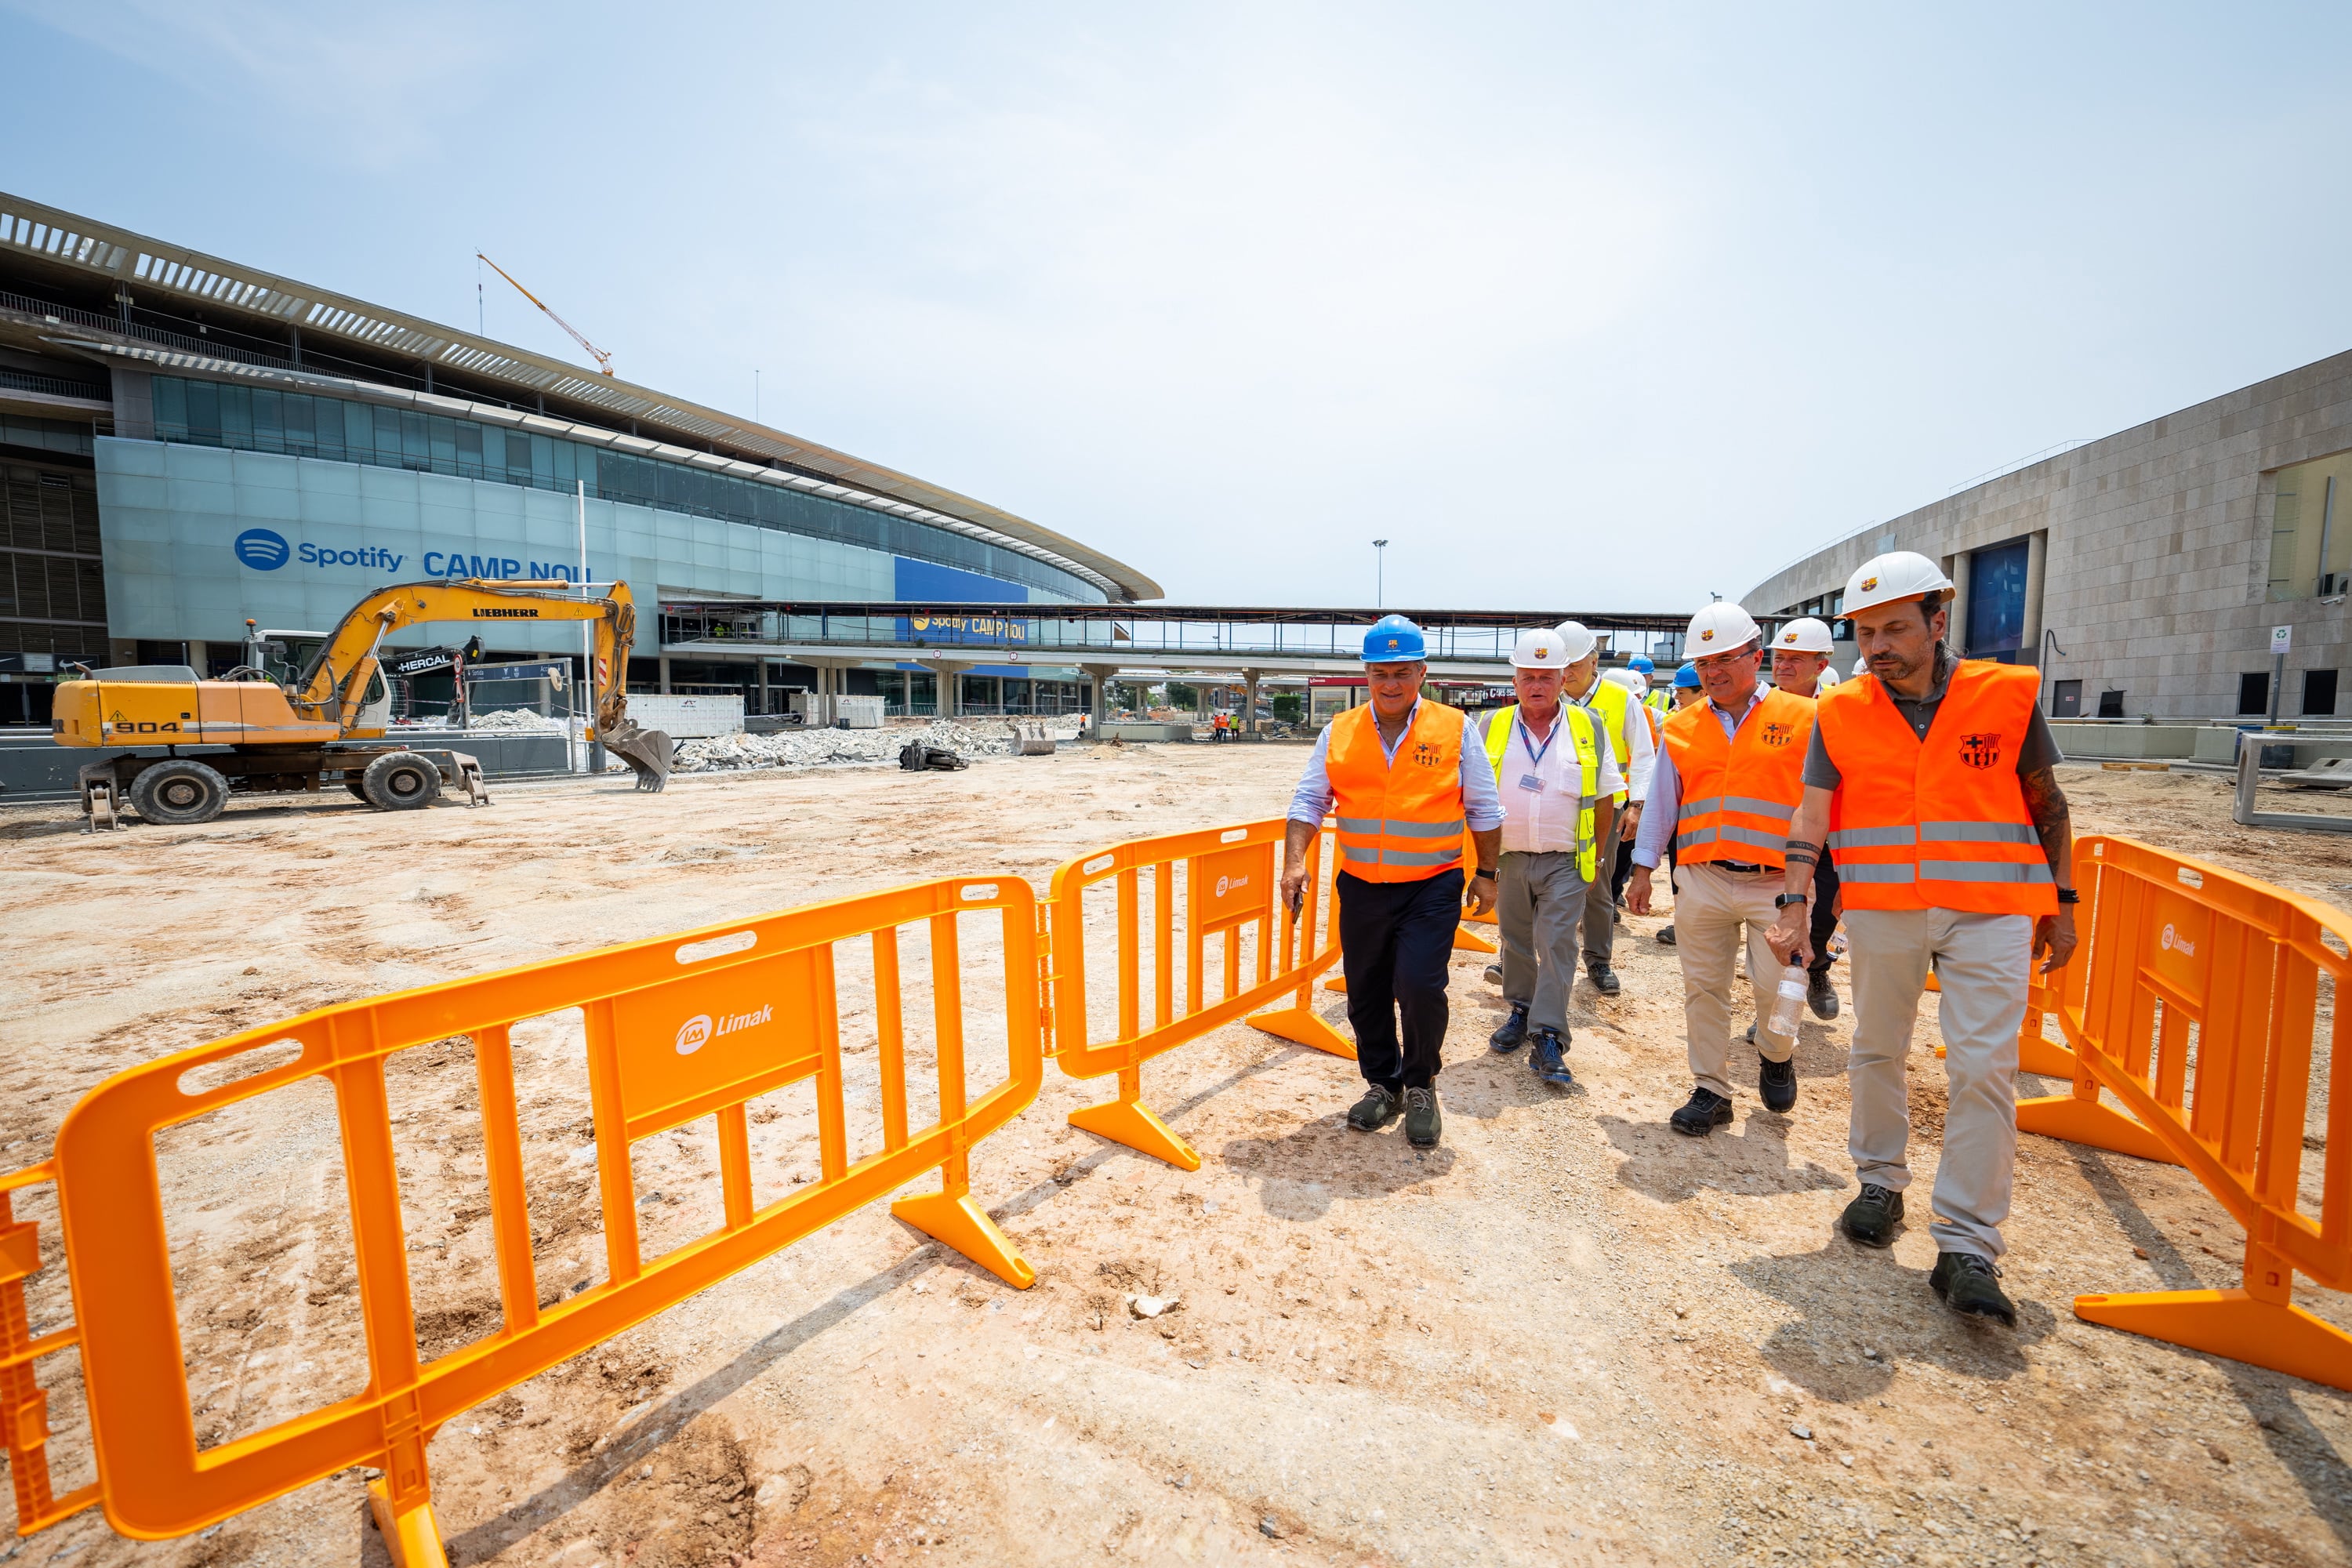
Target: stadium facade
<point>2148,574</point>
<point>187,443</point>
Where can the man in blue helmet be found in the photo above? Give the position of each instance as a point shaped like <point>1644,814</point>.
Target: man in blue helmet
<point>1404,783</point>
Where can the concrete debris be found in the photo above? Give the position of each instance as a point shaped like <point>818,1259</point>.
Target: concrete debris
<point>817,747</point>
<point>517,721</point>
<point>1149,1306</point>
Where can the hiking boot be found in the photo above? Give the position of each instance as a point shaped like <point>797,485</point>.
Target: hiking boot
<point>1971,1285</point>
<point>1494,973</point>
<point>1821,995</point>
<point>1703,1113</point>
<point>1514,1031</point>
<point>1604,979</point>
<point>1378,1107</point>
<point>1549,1059</point>
<point>1666,936</point>
<point>1776,1084</point>
<point>1421,1122</point>
<point>1872,1217</point>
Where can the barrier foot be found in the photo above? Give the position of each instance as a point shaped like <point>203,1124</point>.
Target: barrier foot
<point>413,1537</point>
<point>1300,1025</point>
<point>1336,983</point>
<point>2046,1058</point>
<point>1468,940</point>
<point>1125,1121</point>
<point>2275,1335</point>
<point>963,1224</point>
<point>2075,1121</point>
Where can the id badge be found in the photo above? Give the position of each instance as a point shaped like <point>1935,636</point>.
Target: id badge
<point>1529,781</point>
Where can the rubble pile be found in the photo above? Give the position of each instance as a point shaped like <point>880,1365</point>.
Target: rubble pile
<point>815,748</point>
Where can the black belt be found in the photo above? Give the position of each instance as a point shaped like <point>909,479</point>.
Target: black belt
<point>1742,866</point>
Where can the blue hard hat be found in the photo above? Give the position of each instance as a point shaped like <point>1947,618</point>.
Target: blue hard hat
<point>1687,678</point>
<point>1393,640</point>
<point>1641,661</point>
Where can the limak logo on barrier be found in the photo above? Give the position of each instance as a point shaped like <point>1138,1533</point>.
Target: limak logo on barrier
<point>697,1032</point>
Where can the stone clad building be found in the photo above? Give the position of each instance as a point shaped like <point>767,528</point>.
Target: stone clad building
<point>2145,572</point>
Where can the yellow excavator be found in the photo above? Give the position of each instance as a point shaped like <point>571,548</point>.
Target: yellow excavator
<point>292,734</point>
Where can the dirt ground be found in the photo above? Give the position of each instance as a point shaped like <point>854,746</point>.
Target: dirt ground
<point>1567,1335</point>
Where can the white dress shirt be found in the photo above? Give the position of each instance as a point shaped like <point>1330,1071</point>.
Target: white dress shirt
<point>1640,751</point>
<point>1544,820</point>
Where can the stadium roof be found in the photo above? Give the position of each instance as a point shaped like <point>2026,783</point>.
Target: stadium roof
<point>352,334</point>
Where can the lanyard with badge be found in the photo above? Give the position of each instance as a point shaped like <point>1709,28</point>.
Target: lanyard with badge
<point>1527,739</point>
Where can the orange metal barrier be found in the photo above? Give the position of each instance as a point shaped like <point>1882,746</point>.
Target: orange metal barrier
<point>656,1062</point>
<point>2192,1000</point>
<point>1229,877</point>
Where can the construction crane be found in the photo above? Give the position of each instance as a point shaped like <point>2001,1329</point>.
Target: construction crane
<point>604,361</point>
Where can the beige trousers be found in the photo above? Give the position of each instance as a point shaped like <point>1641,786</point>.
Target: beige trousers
<point>1981,963</point>
<point>1710,906</point>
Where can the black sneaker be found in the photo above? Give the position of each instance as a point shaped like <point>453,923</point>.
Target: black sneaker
<point>1617,915</point>
<point>1822,996</point>
<point>1971,1285</point>
<point>1703,1113</point>
<point>1604,979</point>
<point>1550,1059</point>
<point>1493,974</point>
<point>1776,1084</point>
<point>1421,1122</point>
<point>1872,1217</point>
<point>1378,1107</point>
<point>1666,936</point>
<point>1751,1034</point>
<point>1514,1031</point>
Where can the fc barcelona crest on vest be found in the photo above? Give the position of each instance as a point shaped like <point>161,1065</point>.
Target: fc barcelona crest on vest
<point>1427,753</point>
<point>1778,734</point>
<point>1980,751</point>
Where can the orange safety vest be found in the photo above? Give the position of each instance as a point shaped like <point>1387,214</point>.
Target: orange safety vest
<point>1400,823</point>
<point>1739,794</point>
<point>1941,823</point>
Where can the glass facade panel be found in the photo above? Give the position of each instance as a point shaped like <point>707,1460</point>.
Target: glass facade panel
<point>1997,600</point>
<point>214,413</point>
<point>2311,546</point>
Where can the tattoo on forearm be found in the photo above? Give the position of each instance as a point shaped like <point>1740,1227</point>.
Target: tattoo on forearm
<point>2046,804</point>
<point>1802,855</point>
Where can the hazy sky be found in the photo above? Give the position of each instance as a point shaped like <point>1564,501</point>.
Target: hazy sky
<point>1579,307</point>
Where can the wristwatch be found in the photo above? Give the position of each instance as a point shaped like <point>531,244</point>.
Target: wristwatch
<point>1486,871</point>
<point>1785,899</point>
<point>2070,895</point>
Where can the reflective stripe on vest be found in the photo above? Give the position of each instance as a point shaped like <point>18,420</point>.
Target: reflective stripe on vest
<point>1401,822</point>
<point>1739,794</point>
<point>1584,738</point>
<point>1940,823</point>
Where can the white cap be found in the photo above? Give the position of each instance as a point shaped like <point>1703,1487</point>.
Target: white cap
<point>1827,678</point>
<point>1579,640</point>
<point>1542,648</point>
<point>1720,627</point>
<point>1805,634</point>
<point>1897,575</point>
<point>1632,680</point>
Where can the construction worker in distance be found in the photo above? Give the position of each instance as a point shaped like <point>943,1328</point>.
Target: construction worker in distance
<point>1557,811</point>
<point>1629,741</point>
<point>1726,791</point>
<point>1403,781</point>
<point>1931,780</point>
<point>1801,663</point>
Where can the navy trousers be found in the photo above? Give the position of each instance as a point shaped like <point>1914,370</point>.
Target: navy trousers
<point>1396,939</point>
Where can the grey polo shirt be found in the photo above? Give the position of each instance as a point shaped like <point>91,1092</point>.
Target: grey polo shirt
<point>2040,750</point>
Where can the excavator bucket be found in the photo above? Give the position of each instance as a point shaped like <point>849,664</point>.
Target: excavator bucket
<point>646,752</point>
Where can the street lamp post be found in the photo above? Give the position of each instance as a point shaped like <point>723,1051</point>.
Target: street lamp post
<point>1379,574</point>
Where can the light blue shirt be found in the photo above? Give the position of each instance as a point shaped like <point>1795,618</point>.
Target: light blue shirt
<point>1482,807</point>
<point>1666,801</point>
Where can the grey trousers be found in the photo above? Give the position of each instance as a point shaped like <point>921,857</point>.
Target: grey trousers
<point>1981,964</point>
<point>1601,912</point>
<point>1537,906</point>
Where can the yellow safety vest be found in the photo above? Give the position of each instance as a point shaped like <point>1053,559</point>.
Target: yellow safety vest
<point>1580,731</point>
<point>1612,704</point>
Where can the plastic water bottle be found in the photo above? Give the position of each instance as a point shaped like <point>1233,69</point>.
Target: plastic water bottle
<point>1791,1002</point>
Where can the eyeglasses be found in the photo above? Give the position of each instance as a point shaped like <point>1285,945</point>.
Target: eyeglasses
<point>1726,660</point>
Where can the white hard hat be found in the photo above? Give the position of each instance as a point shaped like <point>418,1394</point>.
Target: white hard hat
<point>1542,648</point>
<point>1827,678</point>
<point>1861,668</point>
<point>1720,627</point>
<point>1579,641</point>
<point>1805,634</point>
<point>1632,680</point>
<point>1897,575</point>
